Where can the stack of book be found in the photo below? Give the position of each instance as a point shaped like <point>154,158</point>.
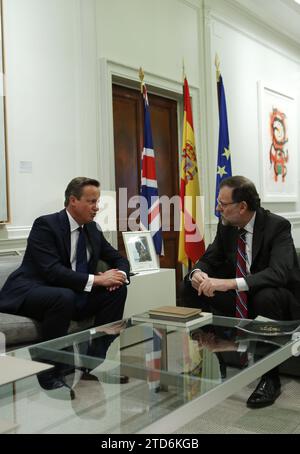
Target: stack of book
<point>175,313</point>
<point>174,316</point>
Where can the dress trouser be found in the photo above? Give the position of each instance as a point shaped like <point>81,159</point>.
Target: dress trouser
<point>274,303</point>
<point>55,307</point>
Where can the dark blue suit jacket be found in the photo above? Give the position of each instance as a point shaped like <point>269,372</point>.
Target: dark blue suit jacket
<point>274,259</point>
<point>47,260</point>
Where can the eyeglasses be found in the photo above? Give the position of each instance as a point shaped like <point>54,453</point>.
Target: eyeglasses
<point>225,204</point>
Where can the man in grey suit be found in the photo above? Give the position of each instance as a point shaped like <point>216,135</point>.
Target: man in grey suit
<point>269,285</point>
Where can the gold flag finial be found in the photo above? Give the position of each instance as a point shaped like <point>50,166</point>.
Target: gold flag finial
<point>141,76</point>
<point>217,63</point>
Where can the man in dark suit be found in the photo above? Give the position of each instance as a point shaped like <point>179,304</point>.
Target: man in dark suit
<point>270,284</point>
<point>52,285</point>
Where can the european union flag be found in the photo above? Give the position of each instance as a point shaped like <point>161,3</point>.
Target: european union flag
<point>224,158</point>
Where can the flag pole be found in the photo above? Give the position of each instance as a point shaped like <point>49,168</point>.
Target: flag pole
<point>149,218</point>
<point>183,71</point>
<point>217,63</point>
<point>141,76</point>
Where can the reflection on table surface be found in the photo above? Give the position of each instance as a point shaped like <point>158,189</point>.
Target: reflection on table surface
<point>167,367</point>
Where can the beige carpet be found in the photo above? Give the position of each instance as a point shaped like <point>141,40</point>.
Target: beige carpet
<point>233,417</point>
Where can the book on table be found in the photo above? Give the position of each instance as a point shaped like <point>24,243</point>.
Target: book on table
<point>175,313</point>
<point>164,317</point>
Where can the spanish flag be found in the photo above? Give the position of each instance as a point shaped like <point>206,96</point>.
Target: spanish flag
<point>191,242</point>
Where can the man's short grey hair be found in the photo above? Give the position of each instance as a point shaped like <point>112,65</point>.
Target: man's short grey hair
<point>75,187</point>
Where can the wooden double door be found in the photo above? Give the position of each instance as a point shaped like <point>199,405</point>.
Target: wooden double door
<point>128,116</point>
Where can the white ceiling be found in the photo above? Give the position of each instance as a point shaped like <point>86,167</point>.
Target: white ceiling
<point>283,15</point>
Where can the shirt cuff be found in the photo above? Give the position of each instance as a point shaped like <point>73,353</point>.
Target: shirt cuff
<point>127,281</point>
<point>192,272</point>
<point>241,284</point>
<point>89,284</point>
<point>242,346</point>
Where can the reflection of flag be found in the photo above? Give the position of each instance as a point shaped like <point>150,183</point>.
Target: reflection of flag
<point>192,366</point>
<point>150,218</point>
<point>191,242</point>
<point>224,159</point>
<point>153,361</point>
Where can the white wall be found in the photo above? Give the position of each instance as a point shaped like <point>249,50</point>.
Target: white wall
<point>60,57</point>
<point>154,34</point>
<point>248,53</point>
<point>45,84</point>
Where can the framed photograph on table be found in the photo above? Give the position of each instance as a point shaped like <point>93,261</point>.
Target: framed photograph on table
<point>277,144</point>
<point>140,251</point>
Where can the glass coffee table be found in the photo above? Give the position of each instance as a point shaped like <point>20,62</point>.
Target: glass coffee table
<point>176,372</point>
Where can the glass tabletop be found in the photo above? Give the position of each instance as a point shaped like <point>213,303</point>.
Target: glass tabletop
<point>170,369</point>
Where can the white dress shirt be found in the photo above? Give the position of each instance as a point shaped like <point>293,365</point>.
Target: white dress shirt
<point>242,285</point>
<point>74,240</point>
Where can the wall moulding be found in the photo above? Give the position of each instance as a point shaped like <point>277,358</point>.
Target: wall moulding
<point>195,4</point>
<point>240,19</point>
<point>4,191</point>
<point>294,218</point>
<point>8,233</point>
<point>116,72</point>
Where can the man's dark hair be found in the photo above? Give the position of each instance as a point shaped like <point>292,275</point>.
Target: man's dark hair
<point>243,190</point>
<point>75,187</point>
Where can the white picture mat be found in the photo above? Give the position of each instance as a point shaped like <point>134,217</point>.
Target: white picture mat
<point>140,260</point>
<point>269,97</point>
<point>12,369</point>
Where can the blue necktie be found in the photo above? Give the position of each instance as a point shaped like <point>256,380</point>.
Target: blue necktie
<point>81,255</point>
<point>81,265</point>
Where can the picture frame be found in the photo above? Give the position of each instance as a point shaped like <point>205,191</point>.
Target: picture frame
<point>140,251</point>
<point>277,143</point>
<point>4,205</point>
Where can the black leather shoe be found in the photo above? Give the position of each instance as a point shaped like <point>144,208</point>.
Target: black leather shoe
<point>51,382</point>
<point>266,392</point>
<point>113,377</point>
<point>88,376</point>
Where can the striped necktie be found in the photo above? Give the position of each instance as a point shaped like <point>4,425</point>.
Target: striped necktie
<point>241,308</point>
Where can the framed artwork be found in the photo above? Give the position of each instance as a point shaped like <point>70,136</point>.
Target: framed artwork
<point>3,161</point>
<point>140,251</point>
<point>278,144</point>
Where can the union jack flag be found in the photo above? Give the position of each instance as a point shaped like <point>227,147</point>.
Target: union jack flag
<point>150,218</point>
<point>153,361</point>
